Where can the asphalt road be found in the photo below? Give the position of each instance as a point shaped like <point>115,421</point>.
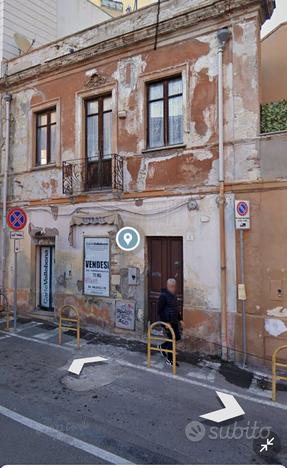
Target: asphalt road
<point>118,409</point>
<point>20,445</point>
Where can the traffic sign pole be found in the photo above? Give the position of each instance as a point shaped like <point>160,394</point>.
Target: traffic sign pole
<point>242,222</point>
<point>243,309</point>
<point>15,285</point>
<point>16,220</point>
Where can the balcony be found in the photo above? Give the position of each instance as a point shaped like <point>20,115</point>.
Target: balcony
<point>93,174</point>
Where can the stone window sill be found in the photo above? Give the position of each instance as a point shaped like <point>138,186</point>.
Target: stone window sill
<point>44,167</point>
<point>163,148</point>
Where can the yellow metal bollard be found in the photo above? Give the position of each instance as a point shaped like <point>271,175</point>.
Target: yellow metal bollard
<point>275,365</point>
<point>65,319</point>
<point>157,338</point>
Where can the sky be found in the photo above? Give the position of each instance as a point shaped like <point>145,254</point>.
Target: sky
<point>279,16</point>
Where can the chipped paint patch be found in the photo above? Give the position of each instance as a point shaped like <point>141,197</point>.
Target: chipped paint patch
<point>277,312</point>
<point>275,327</point>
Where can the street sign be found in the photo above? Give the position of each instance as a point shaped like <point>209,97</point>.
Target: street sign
<point>16,219</point>
<point>243,223</point>
<point>16,235</point>
<point>242,214</point>
<point>242,208</point>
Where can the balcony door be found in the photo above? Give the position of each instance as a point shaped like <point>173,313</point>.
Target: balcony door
<point>98,162</point>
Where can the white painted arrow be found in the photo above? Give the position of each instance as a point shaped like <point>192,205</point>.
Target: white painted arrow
<point>232,409</point>
<point>78,364</point>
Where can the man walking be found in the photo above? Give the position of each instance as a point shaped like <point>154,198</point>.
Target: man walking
<point>169,311</point>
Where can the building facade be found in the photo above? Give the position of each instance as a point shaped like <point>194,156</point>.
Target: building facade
<point>274,65</point>
<point>126,131</point>
<point>118,7</point>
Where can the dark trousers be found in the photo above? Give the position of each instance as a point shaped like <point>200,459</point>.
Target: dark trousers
<point>168,344</point>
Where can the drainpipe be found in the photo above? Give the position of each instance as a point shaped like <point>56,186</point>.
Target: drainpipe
<point>7,99</point>
<point>223,36</point>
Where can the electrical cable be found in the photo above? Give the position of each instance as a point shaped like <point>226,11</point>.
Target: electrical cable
<point>112,209</point>
<point>157,25</point>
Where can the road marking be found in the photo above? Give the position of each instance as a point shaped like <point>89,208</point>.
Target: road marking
<point>202,384</point>
<point>71,344</point>
<point>203,375</point>
<point>27,327</point>
<point>35,340</point>
<point>65,438</point>
<point>4,337</point>
<point>47,335</point>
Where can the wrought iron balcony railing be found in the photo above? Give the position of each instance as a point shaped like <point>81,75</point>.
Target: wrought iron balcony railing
<point>93,174</point>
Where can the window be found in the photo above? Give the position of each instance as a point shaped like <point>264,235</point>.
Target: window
<point>99,127</point>
<point>46,137</point>
<point>113,4</point>
<point>165,116</point>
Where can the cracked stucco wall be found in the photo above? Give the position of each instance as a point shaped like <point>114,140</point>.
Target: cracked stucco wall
<point>195,163</point>
<point>199,230</point>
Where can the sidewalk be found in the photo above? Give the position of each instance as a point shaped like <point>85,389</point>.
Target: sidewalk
<point>133,353</point>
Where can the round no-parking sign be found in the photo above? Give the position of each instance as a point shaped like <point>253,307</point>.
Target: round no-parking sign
<point>16,219</point>
<point>242,209</point>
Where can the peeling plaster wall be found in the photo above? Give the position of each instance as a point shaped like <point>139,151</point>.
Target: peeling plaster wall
<point>199,230</point>
<point>193,164</point>
<point>265,256</point>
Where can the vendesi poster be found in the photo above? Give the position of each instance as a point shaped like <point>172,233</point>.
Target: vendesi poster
<point>97,266</point>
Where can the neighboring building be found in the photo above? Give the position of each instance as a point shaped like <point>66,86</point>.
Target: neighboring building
<point>43,21</point>
<point>274,65</point>
<point>124,131</point>
<point>118,7</point>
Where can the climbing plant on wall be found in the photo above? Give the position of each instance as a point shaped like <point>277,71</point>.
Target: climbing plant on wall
<point>274,117</point>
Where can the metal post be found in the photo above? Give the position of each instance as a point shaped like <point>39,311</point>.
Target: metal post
<point>15,285</point>
<point>274,376</point>
<point>223,36</point>
<point>7,99</point>
<point>243,309</point>
<point>148,346</point>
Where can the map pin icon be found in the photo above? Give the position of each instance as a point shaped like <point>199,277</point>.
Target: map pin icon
<point>127,238</point>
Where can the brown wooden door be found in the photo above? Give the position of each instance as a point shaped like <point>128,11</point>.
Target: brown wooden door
<point>165,260</point>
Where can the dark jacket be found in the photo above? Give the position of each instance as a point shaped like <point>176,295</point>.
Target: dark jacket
<point>168,308</point>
